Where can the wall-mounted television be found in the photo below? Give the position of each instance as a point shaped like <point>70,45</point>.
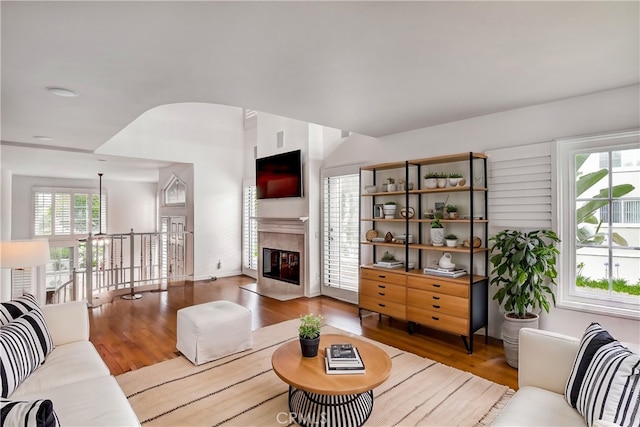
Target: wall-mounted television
<point>279,176</point>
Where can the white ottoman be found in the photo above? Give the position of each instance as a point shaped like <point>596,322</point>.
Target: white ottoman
<point>213,330</point>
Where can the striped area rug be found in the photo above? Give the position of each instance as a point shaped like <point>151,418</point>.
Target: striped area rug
<point>243,390</point>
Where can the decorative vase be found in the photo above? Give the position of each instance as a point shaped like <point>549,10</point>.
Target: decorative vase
<point>437,236</point>
<point>453,181</point>
<point>431,183</point>
<point>391,187</point>
<point>389,211</point>
<point>510,332</point>
<point>309,347</point>
<point>452,243</point>
<point>442,182</point>
<point>454,215</point>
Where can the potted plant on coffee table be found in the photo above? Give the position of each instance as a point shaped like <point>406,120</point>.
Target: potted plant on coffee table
<point>524,270</point>
<point>309,334</point>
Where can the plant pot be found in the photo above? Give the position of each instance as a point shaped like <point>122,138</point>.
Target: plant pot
<point>454,215</point>
<point>451,243</point>
<point>430,182</point>
<point>391,187</point>
<point>437,236</point>
<point>442,182</point>
<point>389,211</point>
<point>309,347</point>
<point>510,333</point>
<point>453,181</point>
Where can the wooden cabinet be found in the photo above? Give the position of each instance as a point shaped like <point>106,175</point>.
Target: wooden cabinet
<point>455,305</point>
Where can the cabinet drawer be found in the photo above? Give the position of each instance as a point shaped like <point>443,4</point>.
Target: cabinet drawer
<point>385,307</point>
<point>438,285</point>
<point>441,321</point>
<point>392,293</point>
<point>383,276</point>
<point>441,303</point>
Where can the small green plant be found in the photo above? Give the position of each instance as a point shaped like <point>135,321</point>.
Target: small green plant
<point>310,325</point>
<point>451,208</point>
<point>451,237</point>
<point>430,175</point>
<point>436,223</point>
<point>391,180</point>
<point>388,257</point>
<point>390,203</point>
<point>455,175</point>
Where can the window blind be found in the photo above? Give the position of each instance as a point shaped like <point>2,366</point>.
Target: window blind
<point>66,212</point>
<point>250,228</point>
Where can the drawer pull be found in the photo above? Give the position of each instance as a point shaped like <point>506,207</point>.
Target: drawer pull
<point>436,298</point>
<point>435,285</point>
<point>381,305</point>
<point>382,276</point>
<point>381,294</point>
<point>382,286</point>
<point>435,318</point>
<point>436,306</point>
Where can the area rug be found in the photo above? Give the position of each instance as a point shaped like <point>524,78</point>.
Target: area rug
<point>275,291</point>
<point>243,390</point>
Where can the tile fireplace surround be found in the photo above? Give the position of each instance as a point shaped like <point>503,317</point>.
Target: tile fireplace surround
<point>287,234</point>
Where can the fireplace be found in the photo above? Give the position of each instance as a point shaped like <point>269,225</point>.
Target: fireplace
<point>281,265</point>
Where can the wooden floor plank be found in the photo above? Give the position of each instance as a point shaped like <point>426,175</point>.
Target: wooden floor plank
<point>130,334</point>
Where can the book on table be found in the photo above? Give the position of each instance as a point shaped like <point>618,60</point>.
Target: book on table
<point>348,370</point>
<point>341,358</point>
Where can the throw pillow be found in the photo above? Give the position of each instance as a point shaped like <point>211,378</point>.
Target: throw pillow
<point>24,345</point>
<point>594,338</point>
<point>37,413</point>
<point>13,309</point>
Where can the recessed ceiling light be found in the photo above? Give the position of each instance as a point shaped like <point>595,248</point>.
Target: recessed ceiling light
<point>60,91</point>
<point>101,160</point>
<point>42,138</point>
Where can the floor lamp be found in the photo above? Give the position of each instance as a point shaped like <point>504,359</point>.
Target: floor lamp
<point>21,256</point>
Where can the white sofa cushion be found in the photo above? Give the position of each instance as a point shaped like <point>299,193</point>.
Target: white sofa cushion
<point>69,363</point>
<point>36,413</point>
<point>533,406</point>
<point>94,402</point>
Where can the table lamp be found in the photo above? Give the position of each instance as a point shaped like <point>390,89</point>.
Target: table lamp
<point>22,255</point>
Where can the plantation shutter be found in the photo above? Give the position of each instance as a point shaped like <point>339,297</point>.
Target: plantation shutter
<point>520,187</point>
<point>341,197</point>
<point>62,217</point>
<point>250,228</point>
<point>65,212</point>
<point>42,213</point>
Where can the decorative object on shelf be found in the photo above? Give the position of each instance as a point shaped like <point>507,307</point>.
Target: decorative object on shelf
<point>378,211</point>
<point>389,210</point>
<point>309,334</point>
<point>403,238</point>
<point>391,186</point>
<point>452,210</point>
<point>370,235</point>
<point>407,212</point>
<point>524,270</point>
<point>446,262</point>
<point>428,214</point>
<point>462,182</point>
<point>442,180</point>
<point>431,180</point>
<point>387,256</point>
<point>371,189</point>
<point>451,239</point>
<point>388,237</point>
<point>477,242</point>
<point>437,233</point>
<point>454,177</point>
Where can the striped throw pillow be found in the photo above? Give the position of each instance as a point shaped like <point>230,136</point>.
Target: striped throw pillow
<point>11,310</point>
<point>609,384</point>
<point>24,345</point>
<point>38,413</point>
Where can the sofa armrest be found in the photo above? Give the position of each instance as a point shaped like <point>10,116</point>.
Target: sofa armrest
<point>545,359</point>
<point>68,322</point>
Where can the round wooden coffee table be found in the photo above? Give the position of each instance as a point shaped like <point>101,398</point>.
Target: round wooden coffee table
<point>316,398</point>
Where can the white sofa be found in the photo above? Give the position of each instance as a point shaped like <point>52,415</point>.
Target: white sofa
<point>545,360</point>
<point>74,377</point>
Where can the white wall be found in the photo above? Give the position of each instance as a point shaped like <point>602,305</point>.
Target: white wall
<point>211,138</point>
<point>596,113</point>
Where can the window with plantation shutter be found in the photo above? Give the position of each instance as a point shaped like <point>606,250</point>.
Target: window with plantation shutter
<point>250,228</point>
<point>67,212</point>
<point>340,232</point>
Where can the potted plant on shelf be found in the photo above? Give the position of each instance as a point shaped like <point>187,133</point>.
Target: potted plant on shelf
<point>452,210</point>
<point>524,270</point>
<point>451,240</point>
<point>431,180</point>
<point>437,233</point>
<point>309,334</point>
<point>392,184</point>
<point>389,210</point>
<point>442,180</point>
<point>454,177</point>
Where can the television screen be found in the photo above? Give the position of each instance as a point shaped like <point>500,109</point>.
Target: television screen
<point>279,176</point>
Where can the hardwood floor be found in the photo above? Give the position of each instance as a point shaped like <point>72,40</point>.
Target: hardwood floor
<point>133,334</point>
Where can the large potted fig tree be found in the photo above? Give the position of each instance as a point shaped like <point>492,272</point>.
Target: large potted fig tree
<point>524,271</point>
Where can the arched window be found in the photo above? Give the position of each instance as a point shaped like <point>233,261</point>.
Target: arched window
<point>175,192</point>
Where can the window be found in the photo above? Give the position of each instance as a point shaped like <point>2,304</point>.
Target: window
<point>340,231</point>
<point>599,201</point>
<point>250,228</point>
<point>175,192</point>
<point>67,212</point>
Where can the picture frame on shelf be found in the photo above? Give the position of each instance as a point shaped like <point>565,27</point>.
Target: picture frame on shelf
<point>378,211</point>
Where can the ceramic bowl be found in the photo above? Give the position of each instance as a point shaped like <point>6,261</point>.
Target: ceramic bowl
<point>371,188</point>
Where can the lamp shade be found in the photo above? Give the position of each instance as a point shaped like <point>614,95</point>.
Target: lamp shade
<point>24,253</point>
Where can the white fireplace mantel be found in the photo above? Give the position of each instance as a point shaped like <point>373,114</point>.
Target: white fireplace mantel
<point>282,225</point>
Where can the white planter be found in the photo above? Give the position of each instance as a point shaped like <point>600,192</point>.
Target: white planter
<point>391,187</point>
<point>437,236</point>
<point>430,183</point>
<point>451,243</point>
<point>389,211</point>
<point>453,181</point>
<point>510,332</point>
<point>442,182</point>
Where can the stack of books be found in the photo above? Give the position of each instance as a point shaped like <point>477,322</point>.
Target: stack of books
<point>389,264</point>
<point>437,271</point>
<point>343,359</point>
